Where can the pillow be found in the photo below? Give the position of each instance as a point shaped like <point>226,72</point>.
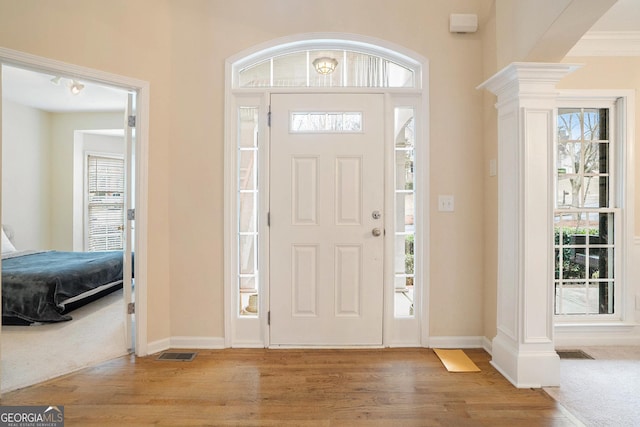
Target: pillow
<point>7,246</point>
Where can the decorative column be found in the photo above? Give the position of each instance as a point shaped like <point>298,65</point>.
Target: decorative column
<point>523,349</point>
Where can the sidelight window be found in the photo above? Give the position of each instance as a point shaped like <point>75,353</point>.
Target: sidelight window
<point>405,231</point>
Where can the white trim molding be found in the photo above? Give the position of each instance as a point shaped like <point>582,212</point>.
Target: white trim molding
<point>622,328</point>
<point>607,43</point>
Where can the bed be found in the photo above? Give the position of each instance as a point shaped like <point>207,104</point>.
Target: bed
<point>44,286</point>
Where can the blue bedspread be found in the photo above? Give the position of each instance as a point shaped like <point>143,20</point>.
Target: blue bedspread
<point>35,286</point>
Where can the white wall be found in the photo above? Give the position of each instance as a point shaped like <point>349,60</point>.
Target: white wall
<point>26,192</point>
<point>38,172</point>
<point>63,128</point>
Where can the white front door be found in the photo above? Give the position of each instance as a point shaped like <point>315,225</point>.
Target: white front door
<point>326,205</point>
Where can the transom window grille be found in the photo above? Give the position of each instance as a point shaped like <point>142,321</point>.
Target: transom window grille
<point>105,203</point>
<point>585,218</point>
<point>352,69</point>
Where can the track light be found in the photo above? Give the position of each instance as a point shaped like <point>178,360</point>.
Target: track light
<point>75,87</point>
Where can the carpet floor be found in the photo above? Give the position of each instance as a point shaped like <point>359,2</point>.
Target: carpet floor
<point>604,391</point>
<point>32,354</point>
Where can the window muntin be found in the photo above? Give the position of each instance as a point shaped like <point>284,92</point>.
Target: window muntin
<point>585,215</point>
<point>354,69</point>
<point>404,208</point>
<point>247,202</point>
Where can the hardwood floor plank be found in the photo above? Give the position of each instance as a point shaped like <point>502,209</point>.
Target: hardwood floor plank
<point>262,387</point>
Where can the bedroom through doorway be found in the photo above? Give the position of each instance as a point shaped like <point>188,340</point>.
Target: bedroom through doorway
<point>68,159</point>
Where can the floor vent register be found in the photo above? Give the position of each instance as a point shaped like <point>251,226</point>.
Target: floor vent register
<point>177,357</point>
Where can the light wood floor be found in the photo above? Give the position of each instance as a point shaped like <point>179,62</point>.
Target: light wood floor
<point>250,387</point>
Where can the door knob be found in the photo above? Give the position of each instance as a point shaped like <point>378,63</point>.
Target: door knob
<point>376,232</point>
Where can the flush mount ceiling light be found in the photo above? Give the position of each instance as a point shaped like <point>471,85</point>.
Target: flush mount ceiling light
<point>325,65</point>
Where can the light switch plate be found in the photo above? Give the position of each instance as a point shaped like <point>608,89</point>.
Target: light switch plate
<point>445,203</point>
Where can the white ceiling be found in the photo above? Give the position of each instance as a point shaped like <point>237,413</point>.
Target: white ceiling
<point>36,89</point>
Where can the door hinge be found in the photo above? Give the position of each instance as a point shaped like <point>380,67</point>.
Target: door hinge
<point>269,117</point>
<point>131,214</point>
<point>268,219</point>
<point>268,318</point>
<point>131,308</point>
<point>131,121</point>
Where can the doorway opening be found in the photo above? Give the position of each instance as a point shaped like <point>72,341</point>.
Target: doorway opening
<point>263,182</point>
<point>50,134</point>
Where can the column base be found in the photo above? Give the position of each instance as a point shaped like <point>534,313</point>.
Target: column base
<point>526,365</point>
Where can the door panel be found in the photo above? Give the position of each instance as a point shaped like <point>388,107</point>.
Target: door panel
<point>326,265</point>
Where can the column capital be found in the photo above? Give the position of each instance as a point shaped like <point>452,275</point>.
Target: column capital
<point>527,78</point>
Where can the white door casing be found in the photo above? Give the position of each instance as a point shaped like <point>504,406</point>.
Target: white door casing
<point>326,264</point>
<point>129,221</point>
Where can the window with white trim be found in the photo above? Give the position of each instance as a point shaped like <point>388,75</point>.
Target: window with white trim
<point>587,212</point>
<point>105,203</point>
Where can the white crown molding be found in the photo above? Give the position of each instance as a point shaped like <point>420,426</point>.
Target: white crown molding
<point>607,43</point>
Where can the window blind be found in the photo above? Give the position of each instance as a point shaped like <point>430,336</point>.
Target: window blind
<point>105,208</point>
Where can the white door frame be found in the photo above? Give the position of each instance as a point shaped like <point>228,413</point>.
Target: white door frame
<point>241,331</point>
<point>46,65</point>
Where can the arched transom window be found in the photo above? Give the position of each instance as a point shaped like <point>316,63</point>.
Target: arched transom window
<point>337,64</point>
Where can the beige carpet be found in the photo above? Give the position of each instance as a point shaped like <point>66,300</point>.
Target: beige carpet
<point>32,354</point>
<point>602,392</point>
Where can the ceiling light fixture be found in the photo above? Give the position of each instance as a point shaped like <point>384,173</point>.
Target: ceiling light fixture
<point>76,87</point>
<point>325,65</point>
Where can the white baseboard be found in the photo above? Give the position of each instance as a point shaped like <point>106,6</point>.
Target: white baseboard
<point>217,343</point>
<point>487,345</point>
<point>457,342</point>
<point>203,343</point>
<point>158,346</point>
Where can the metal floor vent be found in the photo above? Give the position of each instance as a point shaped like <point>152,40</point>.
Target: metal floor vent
<point>177,357</point>
<point>573,354</point>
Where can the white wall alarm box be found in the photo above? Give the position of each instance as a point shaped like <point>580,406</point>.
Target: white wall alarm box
<point>463,23</point>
